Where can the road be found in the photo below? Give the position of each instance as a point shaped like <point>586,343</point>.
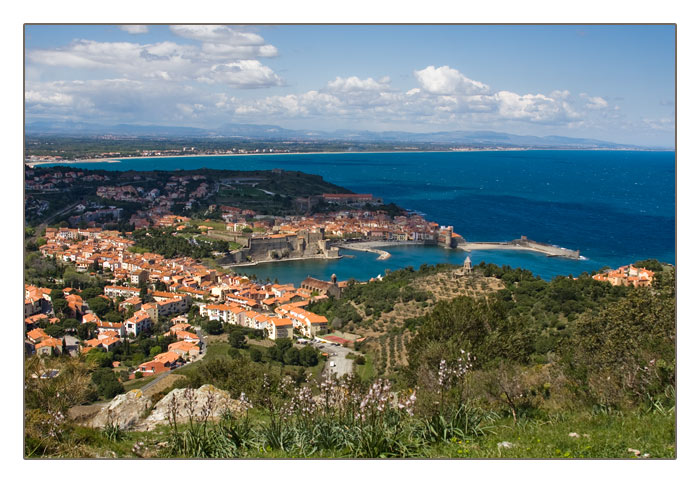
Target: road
<point>50,219</point>
<point>338,355</point>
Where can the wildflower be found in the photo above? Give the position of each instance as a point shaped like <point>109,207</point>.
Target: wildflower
<point>505,444</point>
<point>574,435</point>
<point>244,402</point>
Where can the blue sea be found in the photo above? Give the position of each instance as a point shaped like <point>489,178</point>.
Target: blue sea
<point>616,207</point>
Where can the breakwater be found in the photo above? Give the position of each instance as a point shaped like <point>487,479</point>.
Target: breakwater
<point>523,244</point>
<point>370,247</point>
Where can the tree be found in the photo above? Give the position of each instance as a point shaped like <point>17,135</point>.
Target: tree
<point>99,305</point>
<point>60,307</point>
<point>255,355</point>
<point>214,327</point>
<point>237,339</point>
<point>113,316</point>
<point>87,331</point>
<point>275,353</point>
<point>291,357</point>
<point>91,292</point>
<point>70,325</point>
<point>155,350</point>
<point>100,358</point>
<point>69,388</point>
<point>650,264</point>
<point>625,354</point>
<point>55,330</point>
<point>193,313</point>
<point>283,344</point>
<point>308,356</point>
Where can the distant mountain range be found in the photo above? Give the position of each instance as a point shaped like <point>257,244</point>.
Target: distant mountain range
<point>276,133</point>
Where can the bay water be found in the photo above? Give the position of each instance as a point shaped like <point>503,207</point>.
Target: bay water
<point>616,207</point>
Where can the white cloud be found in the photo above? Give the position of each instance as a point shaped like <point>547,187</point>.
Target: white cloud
<point>48,98</point>
<point>667,124</point>
<point>107,100</point>
<point>230,60</point>
<point>308,103</point>
<point>355,84</point>
<point>560,94</point>
<point>125,58</point>
<point>596,103</point>
<point>530,107</point>
<point>445,80</point>
<point>134,29</point>
<point>220,41</point>
<point>445,96</point>
<point>217,33</point>
<point>238,51</point>
<point>243,74</point>
<point>155,83</point>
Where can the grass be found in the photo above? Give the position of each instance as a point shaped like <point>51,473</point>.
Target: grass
<point>600,436</point>
<point>217,349</point>
<point>214,350</point>
<point>366,371</point>
<point>316,370</point>
<point>217,225</point>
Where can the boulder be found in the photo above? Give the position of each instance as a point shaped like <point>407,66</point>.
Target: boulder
<point>206,399</point>
<point>125,410</point>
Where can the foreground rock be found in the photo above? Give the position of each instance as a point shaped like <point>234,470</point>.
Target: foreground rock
<point>125,410</point>
<point>206,401</point>
<point>135,411</point>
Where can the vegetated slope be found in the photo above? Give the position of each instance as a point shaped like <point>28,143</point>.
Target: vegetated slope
<point>387,311</point>
<point>479,383</point>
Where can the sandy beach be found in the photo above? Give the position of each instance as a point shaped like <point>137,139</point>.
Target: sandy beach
<point>32,164</point>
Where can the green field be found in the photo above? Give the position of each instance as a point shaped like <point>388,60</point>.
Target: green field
<point>366,371</point>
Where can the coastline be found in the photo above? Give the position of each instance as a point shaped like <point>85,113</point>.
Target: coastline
<point>33,164</point>
<point>119,160</point>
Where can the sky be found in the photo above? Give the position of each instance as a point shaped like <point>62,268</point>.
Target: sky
<point>608,82</point>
